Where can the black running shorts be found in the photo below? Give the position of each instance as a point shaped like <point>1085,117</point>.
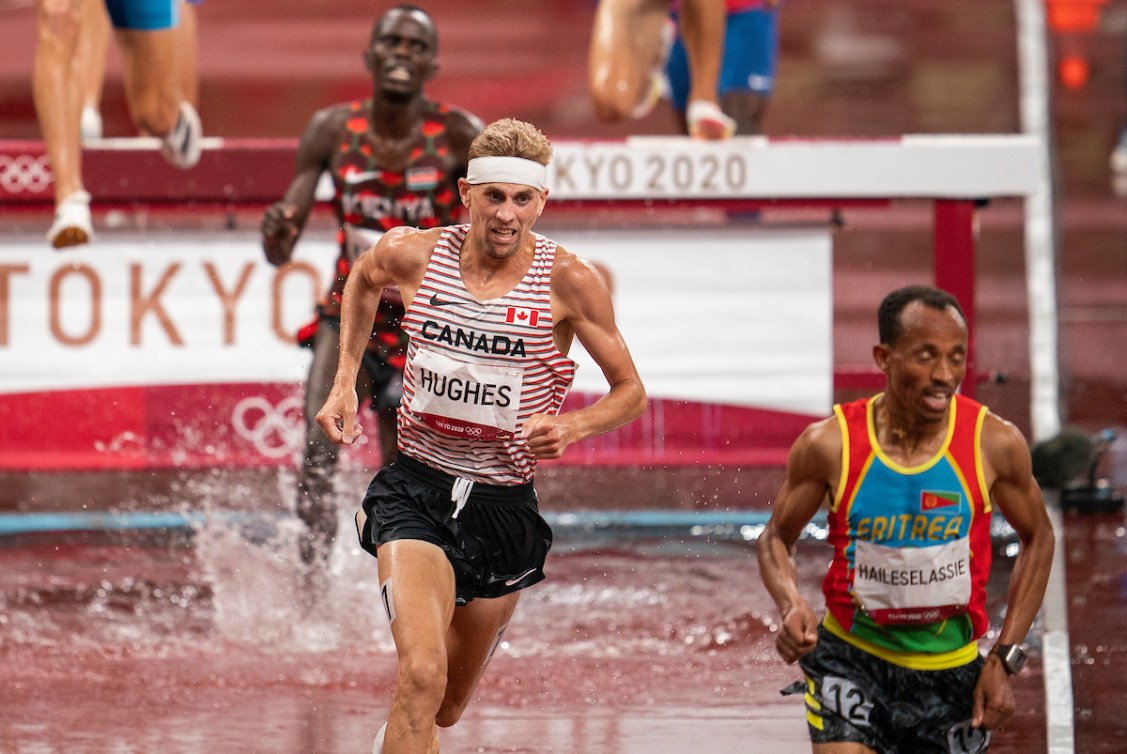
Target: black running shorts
<point>497,544</point>
<point>852,695</point>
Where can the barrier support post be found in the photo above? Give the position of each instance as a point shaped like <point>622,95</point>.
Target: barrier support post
<point>954,261</point>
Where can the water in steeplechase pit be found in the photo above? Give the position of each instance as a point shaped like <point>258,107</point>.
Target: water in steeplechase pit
<point>210,636</point>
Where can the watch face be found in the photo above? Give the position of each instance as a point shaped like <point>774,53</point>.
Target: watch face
<point>1013,658</point>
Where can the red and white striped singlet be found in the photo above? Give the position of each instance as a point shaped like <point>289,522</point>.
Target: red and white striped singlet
<point>476,370</point>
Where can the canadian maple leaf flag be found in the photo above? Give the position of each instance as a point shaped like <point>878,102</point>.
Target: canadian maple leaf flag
<point>519,316</point>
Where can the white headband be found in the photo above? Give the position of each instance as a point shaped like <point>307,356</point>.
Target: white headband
<point>507,170</point>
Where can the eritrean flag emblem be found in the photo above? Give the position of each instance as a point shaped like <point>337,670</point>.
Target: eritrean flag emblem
<point>422,178</point>
<point>929,501</point>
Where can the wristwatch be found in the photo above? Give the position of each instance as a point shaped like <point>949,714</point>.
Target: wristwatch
<point>1013,657</point>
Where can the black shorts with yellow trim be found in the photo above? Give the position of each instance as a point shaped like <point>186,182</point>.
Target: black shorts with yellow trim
<point>852,695</point>
<point>497,544</point>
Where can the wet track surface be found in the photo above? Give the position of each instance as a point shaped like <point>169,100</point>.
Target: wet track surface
<point>206,641</point>
<point>201,642</point>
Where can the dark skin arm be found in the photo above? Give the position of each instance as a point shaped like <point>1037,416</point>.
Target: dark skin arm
<point>813,467</point>
<point>284,220</point>
<point>461,128</point>
<point>1015,492</point>
<point>399,258</point>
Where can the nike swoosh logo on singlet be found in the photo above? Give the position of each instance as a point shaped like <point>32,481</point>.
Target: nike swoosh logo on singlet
<point>436,301</point>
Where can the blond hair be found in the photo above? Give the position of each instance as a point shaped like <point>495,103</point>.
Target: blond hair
<point>509,137</point>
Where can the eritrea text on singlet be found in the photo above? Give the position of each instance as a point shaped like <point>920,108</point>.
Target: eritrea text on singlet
<point>911,545</point>
<point>476,370</point>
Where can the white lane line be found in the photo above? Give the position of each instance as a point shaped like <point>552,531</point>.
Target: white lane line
<point>1059,723</point>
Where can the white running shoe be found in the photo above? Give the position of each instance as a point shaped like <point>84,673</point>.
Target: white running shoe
<point>181,145</point>
<point>73,225</point>
<point>377,745</point>
<point>90,126</point>
<point>707,121</point>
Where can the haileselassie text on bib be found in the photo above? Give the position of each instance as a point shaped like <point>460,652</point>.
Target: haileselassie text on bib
<point>906,585</point>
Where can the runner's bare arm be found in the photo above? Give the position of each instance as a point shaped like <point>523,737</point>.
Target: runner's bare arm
<point>399,258</point>
<point>461,128</point>
<point>812,466</point>
<point>284,220</point>
<point>1015,492</point>
<point>581,306</point>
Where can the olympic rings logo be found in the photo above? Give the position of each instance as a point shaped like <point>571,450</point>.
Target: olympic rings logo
<point>275,431</point>
<point>25,173</point>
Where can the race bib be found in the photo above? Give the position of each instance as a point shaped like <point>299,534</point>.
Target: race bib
<point>907,585</point>
<point>465,399</point>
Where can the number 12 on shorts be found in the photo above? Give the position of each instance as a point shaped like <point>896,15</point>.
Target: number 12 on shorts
<point>847,700</point>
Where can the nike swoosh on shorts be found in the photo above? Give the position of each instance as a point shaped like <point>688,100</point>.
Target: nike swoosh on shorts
<point>522,577</point>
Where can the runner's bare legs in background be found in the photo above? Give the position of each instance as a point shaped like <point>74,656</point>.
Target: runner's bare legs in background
<point>153,88</point>
<point>93,51</point>
<point>626,59</point>
<point>58,102</point>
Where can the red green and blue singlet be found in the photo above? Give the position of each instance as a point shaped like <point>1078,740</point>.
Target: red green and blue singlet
<point>911,545</point>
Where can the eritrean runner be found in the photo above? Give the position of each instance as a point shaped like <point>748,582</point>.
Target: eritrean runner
<point>912,477</point>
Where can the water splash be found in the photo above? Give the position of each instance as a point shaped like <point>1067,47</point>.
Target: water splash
<point>264,596</point>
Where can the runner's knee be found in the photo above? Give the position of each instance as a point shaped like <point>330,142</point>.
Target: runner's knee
<point>422,678</point>
<point>58,18</point>
<point>156,114</point>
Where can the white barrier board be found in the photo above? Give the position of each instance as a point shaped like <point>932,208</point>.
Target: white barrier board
<point>719,316</point>
<point>731,316</point>
<point>154,309</point>
<point>923,166</point>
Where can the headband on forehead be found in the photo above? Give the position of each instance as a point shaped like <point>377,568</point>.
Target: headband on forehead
<point>507,170</point>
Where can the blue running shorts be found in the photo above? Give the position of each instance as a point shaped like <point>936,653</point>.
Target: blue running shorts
<point>144,15</point>
<point>751,46</point>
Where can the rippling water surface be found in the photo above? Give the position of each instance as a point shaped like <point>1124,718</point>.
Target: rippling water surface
<point>210,637</point>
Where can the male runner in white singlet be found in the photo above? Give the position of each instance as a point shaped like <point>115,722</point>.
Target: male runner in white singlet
<point>491,310</point>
